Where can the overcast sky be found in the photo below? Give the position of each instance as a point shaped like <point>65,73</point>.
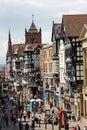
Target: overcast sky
<point>17,14</point>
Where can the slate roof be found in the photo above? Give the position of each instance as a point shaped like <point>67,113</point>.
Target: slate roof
<point>32,28</point>
<point>56,30</point>
<point>73,24</point>
<point>21,47</point>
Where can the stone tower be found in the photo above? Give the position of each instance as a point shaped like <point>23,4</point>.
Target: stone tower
<point>33,35</point>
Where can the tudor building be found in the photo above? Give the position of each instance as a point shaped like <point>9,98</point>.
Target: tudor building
<point>71,28</point>
<point>58,56</point>
<point>56,30</point>
<point>68,50</point>
<point>83,39</point>
<point>23,61</point>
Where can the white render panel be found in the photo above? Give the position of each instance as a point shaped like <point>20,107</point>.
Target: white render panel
<point>55,67</point>
<point>62,62</point>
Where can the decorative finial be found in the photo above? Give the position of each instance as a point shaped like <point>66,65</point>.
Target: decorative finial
<point>32,17</point>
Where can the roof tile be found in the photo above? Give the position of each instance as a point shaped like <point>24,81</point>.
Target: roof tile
<point>74,23</point>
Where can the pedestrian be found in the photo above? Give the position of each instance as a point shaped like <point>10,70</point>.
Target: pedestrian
<point>73,116</point>
<point>14,118</point>
<point>24,114</point>
<point>17,114</point>
<point>26,126</point>
<point>6,117</point>
<point>51,104</point>
<point>11,117</point>
<point>33,124</point>
<point>20,126</point>
<point>39,118</point>
<point>73,128</point>
<point>28,113</point>
<point>0,121</point>
<point>78,127</point>
<point>85,127</point>
<point>33,116</point>
<point>66,126</point>
<point>20,115</point>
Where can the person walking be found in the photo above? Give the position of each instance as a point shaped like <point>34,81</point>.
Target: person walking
<point>14,118</point>
<point>28,114</point>
<point>78,127</point>
<point>26,126</point>
<point>0,121</point>
<point>85,128</point>
<point>25,115</point>
<point>20,126</point>
<point>6,117</point>
<point>20,116</point>
<point>66,126</point>
<point>73,128</point>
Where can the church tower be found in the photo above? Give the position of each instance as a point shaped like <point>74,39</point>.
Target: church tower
<point>33,35</point>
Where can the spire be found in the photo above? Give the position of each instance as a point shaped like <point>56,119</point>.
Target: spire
<point>33,28</point>
<point>32,18</point>
<point>9,37</point>
<point>9,52</point>
<point>25,30</point>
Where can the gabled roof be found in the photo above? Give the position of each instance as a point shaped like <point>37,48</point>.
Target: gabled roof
<point>83,34</point>
<point>19,48</point>
<point>14,47</point>
<point>73,24</point>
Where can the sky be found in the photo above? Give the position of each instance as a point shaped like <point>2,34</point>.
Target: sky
<point>17,14</point>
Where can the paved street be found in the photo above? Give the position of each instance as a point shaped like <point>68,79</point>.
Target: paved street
<point>42,125</point>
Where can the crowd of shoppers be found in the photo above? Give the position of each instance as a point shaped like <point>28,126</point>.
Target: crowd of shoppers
<point>12,109</point>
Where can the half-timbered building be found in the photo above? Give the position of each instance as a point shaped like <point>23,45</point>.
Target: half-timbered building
<point>71,28</point>
<point>23,60</point>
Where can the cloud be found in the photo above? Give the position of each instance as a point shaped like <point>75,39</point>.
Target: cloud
<point>46,35</point>
<point>3,50</point>
<point>17,14</point>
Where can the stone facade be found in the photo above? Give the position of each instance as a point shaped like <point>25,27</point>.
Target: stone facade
<point>83,38</point>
